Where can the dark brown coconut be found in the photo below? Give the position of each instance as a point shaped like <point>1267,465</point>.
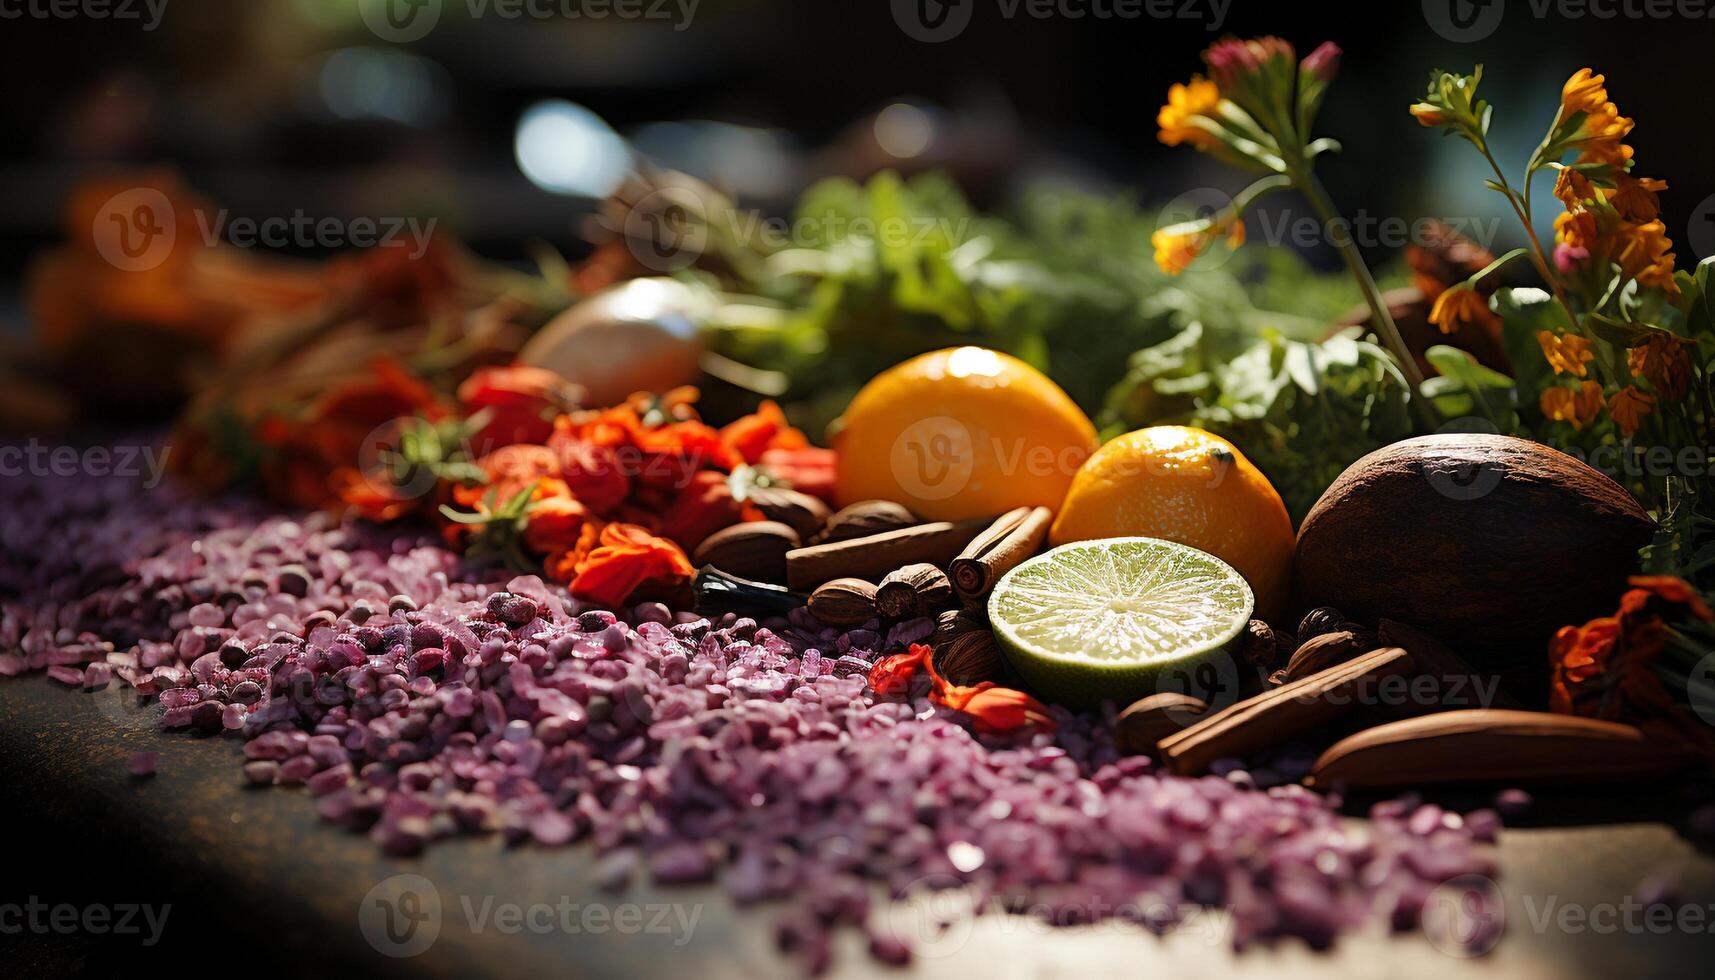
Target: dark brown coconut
<point>1489,542</point>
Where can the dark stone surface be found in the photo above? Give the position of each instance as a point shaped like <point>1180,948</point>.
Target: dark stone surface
<point>259,887</point>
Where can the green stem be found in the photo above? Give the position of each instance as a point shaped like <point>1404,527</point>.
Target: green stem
<point>1539,257</point>
<point>1305,179</point>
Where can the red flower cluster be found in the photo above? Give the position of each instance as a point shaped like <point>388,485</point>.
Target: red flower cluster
<point>993,709</point>
<point>619,496</point>
<point>1625,667</point>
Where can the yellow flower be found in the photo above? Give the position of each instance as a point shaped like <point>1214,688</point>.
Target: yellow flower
<point>1460,304</point>
<point>1176,250</point>
<point>1662,361</point>
<point>1644,255</point>
<point>1235,234</point>
<point>1428,115</point>
<point>1585,92</point>
<point>1566,353</point>
<point>1572,188</point>
<point>1577,228</point>
<point>1184,104</point>
<point>1600,131</point>
<point>1576,407</point>
<point>1628,407</point>
<point>1635,197</point>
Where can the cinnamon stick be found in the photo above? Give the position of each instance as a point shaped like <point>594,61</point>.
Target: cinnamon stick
<point>872,557</point>
<point>1279,714</point>
<point>1014,536</point>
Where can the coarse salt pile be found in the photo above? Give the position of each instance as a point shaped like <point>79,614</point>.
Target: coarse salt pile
<point>416,695</point>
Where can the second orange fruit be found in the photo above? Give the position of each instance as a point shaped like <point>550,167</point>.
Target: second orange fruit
<point>1190,486</point>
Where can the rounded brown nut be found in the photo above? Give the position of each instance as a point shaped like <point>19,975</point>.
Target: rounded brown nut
<point>1321,652</point>
<point>754,550</point>
<point>1144,723</point>
<point>1322,619</point>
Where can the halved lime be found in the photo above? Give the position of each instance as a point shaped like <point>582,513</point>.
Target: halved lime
<point>1100,619</point>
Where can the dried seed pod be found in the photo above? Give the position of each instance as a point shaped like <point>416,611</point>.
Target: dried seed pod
<point>1321,652</point>
<point>1145,723</point>
<point>971,657</point>
<point>1261,646</point>
<point>919,589</point>
<point>844,602</point>
<point>1322,619</point>
<point>799,511</point>
<point>864,518</point>
<point>754,550</point>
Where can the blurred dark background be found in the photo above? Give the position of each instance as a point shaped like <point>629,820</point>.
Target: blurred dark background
<point>278,106</point>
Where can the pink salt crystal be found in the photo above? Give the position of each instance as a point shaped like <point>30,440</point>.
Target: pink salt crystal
<point>66,675</point>
<point>142,764</point>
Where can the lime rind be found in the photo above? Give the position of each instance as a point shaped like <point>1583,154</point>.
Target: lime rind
<point>1096,619</point>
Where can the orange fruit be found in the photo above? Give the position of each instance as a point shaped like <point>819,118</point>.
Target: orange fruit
<point>1189,486</point>
<point>963,432</point>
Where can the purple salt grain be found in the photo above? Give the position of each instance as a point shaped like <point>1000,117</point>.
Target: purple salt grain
<point>511,609</point>
<point>142,764</point>
<point>69,676</point>
<point>731,750</point>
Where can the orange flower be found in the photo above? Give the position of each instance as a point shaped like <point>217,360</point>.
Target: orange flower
<point>1610,667</point>
<point>1459,304</point>
<point>809,470</point>
<point>993,710</point>
<point>757,433</point>
<point>1662,360</point>
<point>1185,103</point>
<point>593,472</point>
<point>1577,228</point>
<point>1673,590</point>
<point>1573,188</point>
<point>509,470</point>
<point>1579,655</point>
<point>627,560</point>
<point>369,498</point>
<point>555,525</point>
<point>1584,92</point>
<point>348,415</point>
<point>1635,197</point>
<point>1578,407</point>
<point>1644,254</point>
<point>705,505</point>
<point>1176,250</point>
<point>1565,353</point>
<point>1629,406</point>
<point>1600,131</point>
<point>522,403</point>
<point>1428,115</point>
